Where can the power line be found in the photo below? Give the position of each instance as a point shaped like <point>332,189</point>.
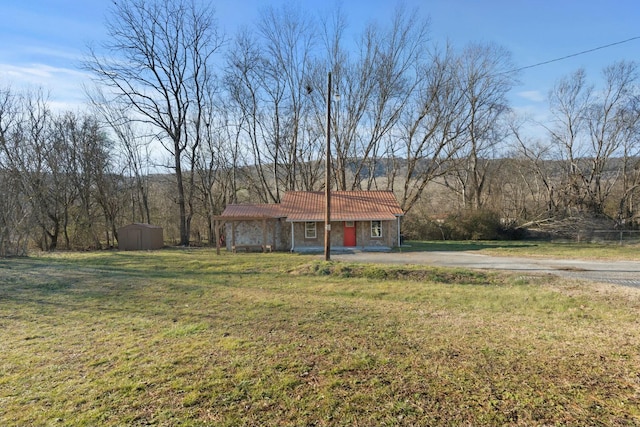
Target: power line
<point>574,54</point>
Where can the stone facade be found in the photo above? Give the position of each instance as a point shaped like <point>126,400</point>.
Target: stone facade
<point>272,232</point>
<point>364,239</point>
<point>282,226</point>
<point>278,234</point>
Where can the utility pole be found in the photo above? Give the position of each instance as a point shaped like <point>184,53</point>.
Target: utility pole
<point>327,178</point>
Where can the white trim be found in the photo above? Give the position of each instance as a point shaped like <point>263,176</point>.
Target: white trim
<point>379,228</point>
<point>293,237</point>
<point>315,230</point>
<point>398,243</point>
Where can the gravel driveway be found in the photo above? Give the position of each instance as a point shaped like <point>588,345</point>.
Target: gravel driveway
<point>625,273</point>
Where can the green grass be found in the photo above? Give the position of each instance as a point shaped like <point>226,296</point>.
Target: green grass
<point>613,251</point>
<point>185,337</point>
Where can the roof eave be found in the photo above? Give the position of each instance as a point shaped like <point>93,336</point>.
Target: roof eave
<point>340,219</point>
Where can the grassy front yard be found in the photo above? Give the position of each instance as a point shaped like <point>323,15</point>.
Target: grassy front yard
<point>184,337</point>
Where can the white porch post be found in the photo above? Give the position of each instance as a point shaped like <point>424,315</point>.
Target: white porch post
<point>398,231</point>
<point>293,236</point>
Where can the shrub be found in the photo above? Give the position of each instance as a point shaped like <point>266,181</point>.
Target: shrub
<point>474,225</point>
<point>420,227</point>
<point>481,224</point>
<point>465,225</point>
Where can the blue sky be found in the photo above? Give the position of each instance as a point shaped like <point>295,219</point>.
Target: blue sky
<point>42,41</point>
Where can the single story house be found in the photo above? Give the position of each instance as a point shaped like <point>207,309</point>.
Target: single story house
<point>359,219</point>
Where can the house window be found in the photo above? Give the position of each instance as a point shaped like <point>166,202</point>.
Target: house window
<point>376,228</point>
<point>310,230</point>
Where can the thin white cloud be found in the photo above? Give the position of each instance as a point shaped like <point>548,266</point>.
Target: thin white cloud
<point>532,95</point>
<point>65,85</point>
<point>57,53</point>
<point>57,79</point>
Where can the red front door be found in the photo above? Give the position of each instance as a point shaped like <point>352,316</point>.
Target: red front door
<point>349,233</point>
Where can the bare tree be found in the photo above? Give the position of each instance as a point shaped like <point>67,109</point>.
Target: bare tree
<point>132,146</point>
<point>85,153</point>
<point>40,161</point>
<point>569,101</point>
<point>41,169</point>
<point>485,78</point>
<point>14,212</point>
<point>160,58</point>
<point>429,135</point>
<point>536,170</point>
<point>354,84</point>
<point>613,123</point>
<point>375,86</point>
<point>628,204</point>
<point>592,128</point>
<point>289,36</point>
<point>243,85</point>
<point>215,166</point>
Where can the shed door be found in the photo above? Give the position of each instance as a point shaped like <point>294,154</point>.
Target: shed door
<point>136,235</point>
<point>349,233</point>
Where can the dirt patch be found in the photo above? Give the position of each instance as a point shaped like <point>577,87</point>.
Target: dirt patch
<point>571,269</point>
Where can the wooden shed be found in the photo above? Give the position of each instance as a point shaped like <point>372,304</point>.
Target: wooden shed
<point>136,237</point>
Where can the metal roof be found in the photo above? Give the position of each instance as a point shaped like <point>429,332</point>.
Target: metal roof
<point>264,210</point>
<point>139,225</point>
<point>345,206</point>
<point>301,206</point>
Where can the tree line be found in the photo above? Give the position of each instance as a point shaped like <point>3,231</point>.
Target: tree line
<point>184,119</point>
